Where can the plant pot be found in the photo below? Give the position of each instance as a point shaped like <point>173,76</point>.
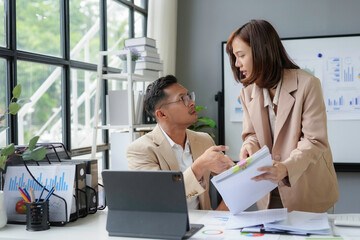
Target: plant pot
<point>3,216</point>
<point>124,66</point>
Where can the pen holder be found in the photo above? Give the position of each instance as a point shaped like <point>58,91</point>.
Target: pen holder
<point>37,216</point>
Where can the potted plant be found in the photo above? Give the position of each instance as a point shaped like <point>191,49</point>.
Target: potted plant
<point>135,55</point>
<point>203,123</point>
<point>31,152</point>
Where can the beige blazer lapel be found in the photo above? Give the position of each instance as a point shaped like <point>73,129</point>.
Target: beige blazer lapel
<point>286,100</point>
<point>260,117</point>
<point>165,150</point>
<point>193,141</point>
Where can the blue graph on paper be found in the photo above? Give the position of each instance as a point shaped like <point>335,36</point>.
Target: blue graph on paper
<point>62,176</point>
<point>59,182</point>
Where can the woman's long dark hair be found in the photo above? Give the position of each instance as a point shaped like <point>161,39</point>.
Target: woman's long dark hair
<point>269,55</point>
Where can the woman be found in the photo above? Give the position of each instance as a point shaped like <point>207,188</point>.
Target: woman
<point>284,110</point>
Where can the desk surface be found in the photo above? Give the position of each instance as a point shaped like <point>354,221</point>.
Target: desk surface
<point>93,227</point>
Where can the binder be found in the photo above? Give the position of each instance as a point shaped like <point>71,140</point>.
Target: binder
<point>236,187</point>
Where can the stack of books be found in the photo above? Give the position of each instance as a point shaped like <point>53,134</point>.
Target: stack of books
<point>149,63</point>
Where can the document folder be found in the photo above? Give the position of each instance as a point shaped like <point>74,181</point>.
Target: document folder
<point>236,187</point>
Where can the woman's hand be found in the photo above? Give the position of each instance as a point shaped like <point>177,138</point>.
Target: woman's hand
<point>247,150</point>
<point>274,174</point>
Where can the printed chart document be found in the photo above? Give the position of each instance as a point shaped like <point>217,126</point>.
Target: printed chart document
<point>215,229</point>
<point>62,176</point>
<point>303,223</point>
<point>247,219</point>
<point>236,187</point>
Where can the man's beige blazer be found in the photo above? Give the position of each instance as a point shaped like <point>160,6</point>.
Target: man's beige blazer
<point>300,141</point>
<point>153,152</point>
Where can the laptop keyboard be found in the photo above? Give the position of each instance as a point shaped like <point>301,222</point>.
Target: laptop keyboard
<point>350,220</point>
<point>193,229</point>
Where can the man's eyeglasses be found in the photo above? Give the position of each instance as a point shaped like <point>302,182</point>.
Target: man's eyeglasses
<point>185,99</point>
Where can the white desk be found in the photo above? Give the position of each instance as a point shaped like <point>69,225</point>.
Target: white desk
<point>93,227</point>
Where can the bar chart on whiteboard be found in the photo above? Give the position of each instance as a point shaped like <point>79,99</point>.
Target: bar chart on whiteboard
<point>336,62</point>
<point>342,87</point>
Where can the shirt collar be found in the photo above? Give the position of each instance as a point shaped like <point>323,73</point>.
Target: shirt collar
<point>267,99</point>
<point>172,143</point>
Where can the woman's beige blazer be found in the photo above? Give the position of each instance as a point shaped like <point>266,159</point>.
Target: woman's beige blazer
<point>300,141</point>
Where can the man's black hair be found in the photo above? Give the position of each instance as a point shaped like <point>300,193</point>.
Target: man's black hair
<point>155,92</point>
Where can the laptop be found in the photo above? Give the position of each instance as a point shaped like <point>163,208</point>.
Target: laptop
<point>147,204</point>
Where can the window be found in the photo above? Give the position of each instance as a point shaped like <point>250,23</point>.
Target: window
<point>38,26</point>
<point>2,23</point>
<point>139,24</point>
<point>42,116</point>
<point>84,30</point>
<point>2,103</point>
<point>54,57</point>
<point>117,28</point>
<point>140,3</point>
<point>83,86</point>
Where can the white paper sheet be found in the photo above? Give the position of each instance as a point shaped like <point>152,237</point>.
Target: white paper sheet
<point>238,190</point>
<point>215,229</point>
<point>303,222</point>
<point>217,218</point>
<point>246,219</point>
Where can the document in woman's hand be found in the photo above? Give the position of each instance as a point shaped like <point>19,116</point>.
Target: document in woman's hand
<point>236,187</point>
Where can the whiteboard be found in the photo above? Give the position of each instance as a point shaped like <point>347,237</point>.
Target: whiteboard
<point>322,56</point>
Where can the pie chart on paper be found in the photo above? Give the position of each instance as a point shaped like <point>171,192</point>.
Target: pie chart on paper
<point>252,234</point>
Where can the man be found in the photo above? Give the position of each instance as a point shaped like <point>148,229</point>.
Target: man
<point>171,146</point>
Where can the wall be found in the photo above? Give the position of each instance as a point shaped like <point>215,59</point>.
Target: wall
<point>204,24</point>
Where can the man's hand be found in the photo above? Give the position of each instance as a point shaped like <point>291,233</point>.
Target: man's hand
<point>247,150</point>
<point>274,174</point>
<point>214,160</point>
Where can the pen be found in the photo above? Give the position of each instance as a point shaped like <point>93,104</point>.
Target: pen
<point>50,193</point>
<point>24,197</point>
<point>26,192</point>
<point>42,191</point>
<point>23,194</point>
<point>32,194</point>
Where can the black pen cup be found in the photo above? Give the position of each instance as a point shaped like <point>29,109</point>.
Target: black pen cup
<point>37,216</point>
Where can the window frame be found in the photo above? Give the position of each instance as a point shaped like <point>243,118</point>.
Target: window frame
<point>11,54</point>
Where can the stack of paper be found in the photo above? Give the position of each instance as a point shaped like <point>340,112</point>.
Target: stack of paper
<point>302,223</point>
<point>279,221</point>
<point>149,63</point>
<point>246,219</point>
<point>236,187</point>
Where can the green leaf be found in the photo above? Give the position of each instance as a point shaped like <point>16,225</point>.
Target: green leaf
<point>17,91</point>
<point>14,108</point>
<point>27,155</point>
<point>208,121</point>
<point>8,150</point>
<point>33,142</point>
<point>192,127</point>
<point>199,108</point>
<point>37,154</point>
<point>3,162</point>
<point>200,127</point>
